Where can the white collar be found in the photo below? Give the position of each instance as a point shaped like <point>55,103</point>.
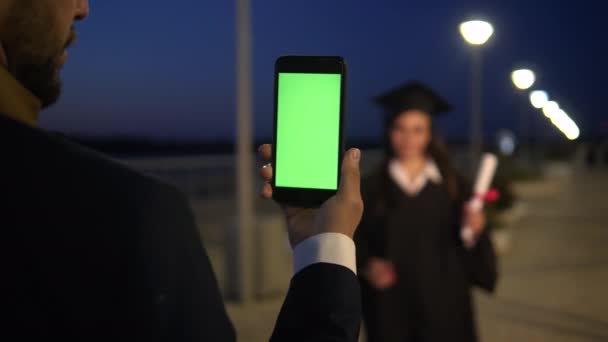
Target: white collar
<point>413,186</point>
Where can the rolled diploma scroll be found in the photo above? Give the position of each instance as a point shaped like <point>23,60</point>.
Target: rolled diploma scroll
<point>486,172</point>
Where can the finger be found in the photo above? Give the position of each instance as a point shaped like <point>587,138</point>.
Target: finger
<point>265,151</point>
<point>266,191</point>
<point>266,172</point>
<point>350,177</point>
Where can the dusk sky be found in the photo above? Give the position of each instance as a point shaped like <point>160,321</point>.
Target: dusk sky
<point>166,69</point>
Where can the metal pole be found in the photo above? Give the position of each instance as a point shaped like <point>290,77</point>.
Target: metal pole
<point>476,106</point>
<point>525,141</point>
<point>240,273</point>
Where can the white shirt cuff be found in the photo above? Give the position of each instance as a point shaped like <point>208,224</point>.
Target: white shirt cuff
<point>332,248</point>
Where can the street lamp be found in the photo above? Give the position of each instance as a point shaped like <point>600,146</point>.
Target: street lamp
<point>572,132</point>
<point>476,33</point>
<point>523,79</point>
<point>561,120</point>
<point>565,124</point>
<point>550,109</point>
<point>539,98</point>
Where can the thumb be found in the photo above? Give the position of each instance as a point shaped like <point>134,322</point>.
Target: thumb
<point>350,177</point>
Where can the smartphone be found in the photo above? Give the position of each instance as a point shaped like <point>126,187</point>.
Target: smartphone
<point>308,121</point>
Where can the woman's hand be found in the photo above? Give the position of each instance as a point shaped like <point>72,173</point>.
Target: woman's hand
<point>339,214</point>
<point>380,273</point>
<point>475,220</point>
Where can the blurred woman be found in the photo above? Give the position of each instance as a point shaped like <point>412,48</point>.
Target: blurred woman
<point>415,271</point>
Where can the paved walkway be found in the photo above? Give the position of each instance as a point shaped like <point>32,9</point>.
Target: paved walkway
<point>554,278</point>
<point>554,281</point>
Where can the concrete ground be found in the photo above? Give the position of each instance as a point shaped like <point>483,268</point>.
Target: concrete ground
<point>554,280</point>
<point>554,277</point>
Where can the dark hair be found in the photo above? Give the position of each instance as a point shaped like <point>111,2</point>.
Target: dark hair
<point>436,149</point>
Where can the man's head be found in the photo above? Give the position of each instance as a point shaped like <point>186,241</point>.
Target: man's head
<point>34,35</point>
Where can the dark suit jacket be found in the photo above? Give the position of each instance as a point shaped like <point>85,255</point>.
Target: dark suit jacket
<point>93,251</point>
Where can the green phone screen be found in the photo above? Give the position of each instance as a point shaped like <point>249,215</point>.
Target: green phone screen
<point>308,130</point>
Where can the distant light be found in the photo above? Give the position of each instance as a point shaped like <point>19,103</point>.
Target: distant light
<point>506,142</point>
<point>539,98</point>
<point>551,109</point>
<point>565,124</point>
<point>573,135</point>
<point>559,118</point>
<point>523,78</point>
<point>476,32</point>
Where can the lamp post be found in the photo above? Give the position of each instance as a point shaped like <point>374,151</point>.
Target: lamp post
<point>476,33</point>
<point>523,79</point>
<point>240,251</point>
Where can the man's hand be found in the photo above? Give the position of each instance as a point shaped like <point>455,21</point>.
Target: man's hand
<point>339,214</point>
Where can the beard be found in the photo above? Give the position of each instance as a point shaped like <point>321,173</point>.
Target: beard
<point>33,48</point>
<point>41,79</point>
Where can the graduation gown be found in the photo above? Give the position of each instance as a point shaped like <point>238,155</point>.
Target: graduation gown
<point>431,300</point>
<point>93,251</point>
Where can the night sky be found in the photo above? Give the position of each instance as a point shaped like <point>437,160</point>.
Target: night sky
<point>166,69</point>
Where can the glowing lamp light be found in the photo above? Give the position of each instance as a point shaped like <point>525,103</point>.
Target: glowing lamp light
<point>506,142</point>
<point>550,109</point>
<point>523,79</point>
<point>539,98</point>
<point>476,32</point>
<point>565,124</point>
<point>573,135</point>
<point>558,116</point>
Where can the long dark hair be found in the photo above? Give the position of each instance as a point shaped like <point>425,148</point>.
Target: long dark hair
<point>436,150</point>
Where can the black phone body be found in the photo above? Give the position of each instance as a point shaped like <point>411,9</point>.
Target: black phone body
<point>308,144</point>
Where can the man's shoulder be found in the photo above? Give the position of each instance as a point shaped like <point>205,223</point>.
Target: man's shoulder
<point>48,159</point>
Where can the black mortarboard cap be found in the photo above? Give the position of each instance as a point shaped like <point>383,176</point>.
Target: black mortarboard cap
<point>410,96</point>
